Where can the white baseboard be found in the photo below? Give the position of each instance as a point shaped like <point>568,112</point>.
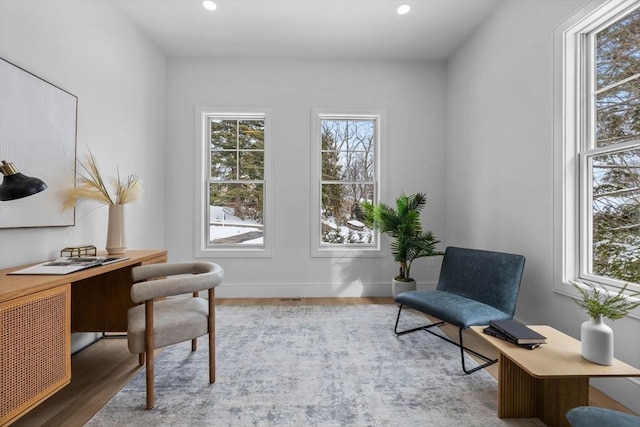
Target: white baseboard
<point>625,391</point>
<point>316,290</point>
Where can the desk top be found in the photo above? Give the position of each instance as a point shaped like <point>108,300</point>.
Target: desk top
<point>14,286</point>
<point>560,357</point>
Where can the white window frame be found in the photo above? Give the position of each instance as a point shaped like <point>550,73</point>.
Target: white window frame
<point>573,118</point>
<point>318,249</point>
<point>202,171</point>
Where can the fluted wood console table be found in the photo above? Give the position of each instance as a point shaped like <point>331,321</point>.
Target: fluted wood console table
<point>548,381</point>
<point>37,316</point>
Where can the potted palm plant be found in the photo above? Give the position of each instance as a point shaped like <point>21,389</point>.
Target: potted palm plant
<point>596,337</point>
<point>409,241</point>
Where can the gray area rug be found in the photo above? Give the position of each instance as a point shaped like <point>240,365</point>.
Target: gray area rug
<point>312,366</point>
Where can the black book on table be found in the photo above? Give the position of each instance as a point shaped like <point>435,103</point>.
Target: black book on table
<point>518,331</point>
<point>490,330</point>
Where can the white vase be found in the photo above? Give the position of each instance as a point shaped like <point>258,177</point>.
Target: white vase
<point>597,341</point>
<point>398,287</point>
<point>115,231</point>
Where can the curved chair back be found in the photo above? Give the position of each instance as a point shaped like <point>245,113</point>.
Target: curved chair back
<point>174,278</point>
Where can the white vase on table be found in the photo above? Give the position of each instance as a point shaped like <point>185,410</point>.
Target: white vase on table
<point>116,243</point>
<point>597,341</point>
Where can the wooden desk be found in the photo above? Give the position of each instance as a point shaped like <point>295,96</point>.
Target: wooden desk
<point>548,381</point>
<point>37,316</point>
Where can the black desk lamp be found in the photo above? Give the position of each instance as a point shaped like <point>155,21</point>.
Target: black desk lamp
<point>16,185</point>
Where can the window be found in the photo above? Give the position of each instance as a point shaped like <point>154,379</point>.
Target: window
<point>601,139</point>
<point>234,182</point>
<point>346,174</point>
<point>611,157</point>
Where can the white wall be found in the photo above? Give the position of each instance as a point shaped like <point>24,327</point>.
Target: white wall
<point>118,76</point>
<point>413,95</point>
<point>500,183</point>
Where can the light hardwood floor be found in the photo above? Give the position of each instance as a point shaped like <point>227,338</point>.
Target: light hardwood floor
<point>101,370</point>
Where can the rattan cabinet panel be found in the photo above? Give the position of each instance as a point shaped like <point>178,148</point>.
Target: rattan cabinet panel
<point>35,349</point>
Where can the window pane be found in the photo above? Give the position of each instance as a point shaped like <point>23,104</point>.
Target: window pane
<point>616,215</point>
<point>332,170</point>
<point>618,114</point>
<point>251,134</point>
<point>358,166</point>
<point>224,165</point>
<point>223,134</point>
<point>342,214</point>
<point>360,135</point>
<point>236,213</point>
<point>348,135</point>
<point>348,148</point>
<point>618,50</point>
<point>251,165</point>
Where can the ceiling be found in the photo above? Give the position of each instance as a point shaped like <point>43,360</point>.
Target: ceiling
<point>318,29</point>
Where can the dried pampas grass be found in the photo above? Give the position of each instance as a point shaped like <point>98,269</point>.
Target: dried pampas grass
<point>91,186</point>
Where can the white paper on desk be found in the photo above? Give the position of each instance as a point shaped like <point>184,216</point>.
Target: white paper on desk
<point>45,269</point>
<point>66,265</point>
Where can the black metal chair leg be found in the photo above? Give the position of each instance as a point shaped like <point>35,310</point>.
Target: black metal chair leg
<point>488,360</point>
<point>426,328</point>
<point>408,331</point>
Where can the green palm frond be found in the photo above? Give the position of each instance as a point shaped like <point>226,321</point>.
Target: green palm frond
<point>403,225</point>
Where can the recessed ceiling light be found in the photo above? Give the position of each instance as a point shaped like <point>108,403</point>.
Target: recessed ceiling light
<point>209,5</point>
<point>404,9</point>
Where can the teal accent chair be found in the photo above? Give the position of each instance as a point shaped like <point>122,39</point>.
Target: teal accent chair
<point>591,416</point>
<point>475,287</point>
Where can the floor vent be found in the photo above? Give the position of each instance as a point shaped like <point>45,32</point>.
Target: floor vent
<point>290,299</point>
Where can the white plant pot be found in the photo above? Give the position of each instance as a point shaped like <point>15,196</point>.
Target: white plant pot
<point>398,287</point>
<point>597,341</point>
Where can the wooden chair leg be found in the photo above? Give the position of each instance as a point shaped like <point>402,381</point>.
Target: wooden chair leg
<point>149,351</point>
<point>212,336</point>
<point>194,342</point>
<point>140,359</point>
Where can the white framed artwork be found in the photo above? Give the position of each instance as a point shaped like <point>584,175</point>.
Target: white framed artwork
<point>38,135</point>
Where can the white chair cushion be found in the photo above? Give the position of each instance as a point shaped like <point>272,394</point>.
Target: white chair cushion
<point>174,320</point>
